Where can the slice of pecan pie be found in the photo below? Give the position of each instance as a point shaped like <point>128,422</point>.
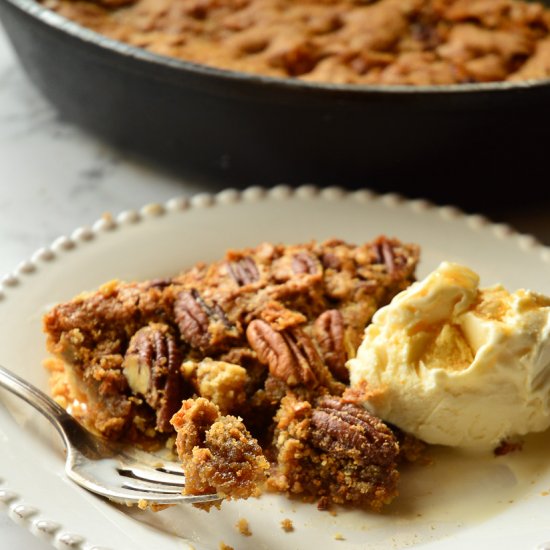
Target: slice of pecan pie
<point>245,333</point>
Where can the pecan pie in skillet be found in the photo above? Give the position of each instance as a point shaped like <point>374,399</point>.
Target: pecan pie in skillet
<point>242,361</point>
<point>411,42</point>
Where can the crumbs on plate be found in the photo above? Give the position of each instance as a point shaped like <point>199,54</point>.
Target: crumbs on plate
<point>243,527</point>
<point>287,525</point>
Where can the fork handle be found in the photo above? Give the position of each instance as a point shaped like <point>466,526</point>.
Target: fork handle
<point>44,404</point>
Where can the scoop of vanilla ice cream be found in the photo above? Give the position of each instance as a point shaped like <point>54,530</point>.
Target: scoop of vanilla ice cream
<point>457,365</point>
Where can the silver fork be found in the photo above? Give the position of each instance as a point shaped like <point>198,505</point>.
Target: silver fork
<point>124,475</point>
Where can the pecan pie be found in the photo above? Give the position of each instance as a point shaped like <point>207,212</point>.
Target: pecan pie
<point>411,42</point>
<point>255,345</point>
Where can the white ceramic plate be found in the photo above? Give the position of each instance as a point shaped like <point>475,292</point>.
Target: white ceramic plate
<point>457,501</point>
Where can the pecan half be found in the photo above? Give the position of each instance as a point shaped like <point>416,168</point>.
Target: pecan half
<point>159,283</point>
<point>348,431</point>
<point>243,271</point>
<point>306,264</point>
<point>151,366</point>
<point>385,254</point>
<point>287,354</point>
<point>331,261</point>
<point>198,322</point>
<point>329,330</point>
<point>192,318</point>
<point>391,254</point>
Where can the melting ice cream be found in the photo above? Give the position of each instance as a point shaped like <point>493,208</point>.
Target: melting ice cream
<point>456,364</point>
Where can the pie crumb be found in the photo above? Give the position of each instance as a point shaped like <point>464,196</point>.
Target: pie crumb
<point>287,525</point>
<point>224,546</point>
<point>144,504</point>
<point>339,536</point>
<point>243,527</point>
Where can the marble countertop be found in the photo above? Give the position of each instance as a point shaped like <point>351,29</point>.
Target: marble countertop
<point>55,178</point>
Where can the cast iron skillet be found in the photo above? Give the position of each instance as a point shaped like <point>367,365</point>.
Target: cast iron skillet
<point>455,142</point>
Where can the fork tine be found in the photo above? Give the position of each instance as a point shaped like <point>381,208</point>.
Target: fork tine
<point>149,487</point>
<point>171,468</point>
<point>132,491</point>
<point>131,497</point>
<point>150,474</point>
<point>129,457</point>
<point>149,459</point>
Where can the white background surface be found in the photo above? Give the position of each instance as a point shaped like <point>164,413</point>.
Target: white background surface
<point>54,178</point>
